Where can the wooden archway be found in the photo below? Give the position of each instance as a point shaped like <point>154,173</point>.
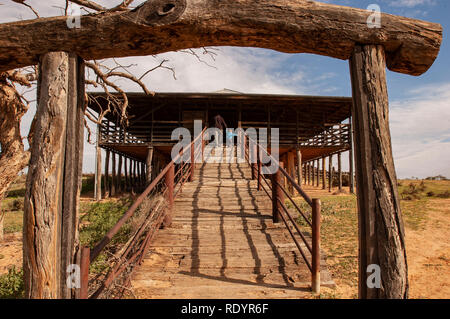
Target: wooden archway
<point>401,44</point>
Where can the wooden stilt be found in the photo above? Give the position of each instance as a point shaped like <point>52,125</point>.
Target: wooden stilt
<point>324,173</point>
<point>299,167</point>
<point>125,172</point>
<point>119,175</point>
<point>330,173</point>
<point>148,163</point>
<point>98,168</point>
<point>340,171</point>
<point>291,169</point>
<point>106,175</point>
<point>113,174</point>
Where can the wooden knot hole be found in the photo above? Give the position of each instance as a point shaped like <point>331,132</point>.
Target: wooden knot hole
<point>166,9</point>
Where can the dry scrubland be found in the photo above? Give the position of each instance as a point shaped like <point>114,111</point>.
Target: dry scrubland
<point>425,207</point>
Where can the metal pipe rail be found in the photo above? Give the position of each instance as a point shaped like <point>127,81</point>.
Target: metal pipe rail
<point>162,189</point>
<point>276,192</point>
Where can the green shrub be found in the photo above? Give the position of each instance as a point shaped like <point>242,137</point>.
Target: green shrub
<point>99,219</point>
<point>12,285</point>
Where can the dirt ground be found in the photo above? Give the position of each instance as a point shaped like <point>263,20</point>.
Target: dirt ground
<point>428,250</point>
<point>10,252</point>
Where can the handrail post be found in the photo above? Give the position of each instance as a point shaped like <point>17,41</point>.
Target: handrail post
<point>84,272</point>
<point>191,175</point>
<point>277,195</point>
<point>316,246</point>
<point>169,180</point>
<point>203,146</point>
<point>259,167</point>
<point>252,159</point>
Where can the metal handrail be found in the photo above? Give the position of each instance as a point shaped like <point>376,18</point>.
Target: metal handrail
<point>88,255</point>
<point>314,249</point>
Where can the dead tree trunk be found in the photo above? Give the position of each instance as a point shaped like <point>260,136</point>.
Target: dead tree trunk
<point>54,178</point>
<point>381,233</point>
<point>13,157</point>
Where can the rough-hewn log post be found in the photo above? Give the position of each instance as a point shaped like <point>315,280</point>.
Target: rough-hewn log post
<point>107,183</point>
<point>73,170</point>
<point>54,177</point>
<point>381,232</point>
<point>299,167</point>
<point>148,163</point>
<point>324,173</point>
<point>98,167</point>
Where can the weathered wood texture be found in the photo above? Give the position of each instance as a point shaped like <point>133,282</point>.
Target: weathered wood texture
<point>381,233</point>
<point>54,177</point>
<point>74,145</point>
<point>159,26</point>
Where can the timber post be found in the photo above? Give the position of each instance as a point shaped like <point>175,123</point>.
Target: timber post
<point>315,265</point>
<point>381,232</point>
<point>113,174</point>
<point>119,175</point>
<point>340,170</point>
<point>330,173</point>
<point>299,166</point>
<point>148,164</point>
<point>53,185</point>
<point>324,173</point>
<point>350,159</point>
<point>98,167</point>
<point>318,174</point>
<point>106,175</point>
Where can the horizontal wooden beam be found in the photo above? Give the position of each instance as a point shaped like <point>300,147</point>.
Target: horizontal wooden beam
<point>159,26</point>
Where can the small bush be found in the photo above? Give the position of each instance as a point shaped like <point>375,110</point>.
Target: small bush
<point>12,285</point>
<point>431,194</point>
<point>17,204</point>
<point>445,194</point>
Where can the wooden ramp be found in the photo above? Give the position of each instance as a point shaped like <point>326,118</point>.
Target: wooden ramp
<point>223,244</point>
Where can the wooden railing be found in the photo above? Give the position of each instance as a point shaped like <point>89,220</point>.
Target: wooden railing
<point>159,196</point>
<point>277,192</point>
<point>335,135</point>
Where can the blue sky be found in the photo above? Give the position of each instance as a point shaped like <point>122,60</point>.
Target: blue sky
<point>419,106</point>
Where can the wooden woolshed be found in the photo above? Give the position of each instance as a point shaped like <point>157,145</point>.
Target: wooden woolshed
<point>311,129</point>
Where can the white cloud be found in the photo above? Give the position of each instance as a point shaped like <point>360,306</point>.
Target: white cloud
<point>420,128</point>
